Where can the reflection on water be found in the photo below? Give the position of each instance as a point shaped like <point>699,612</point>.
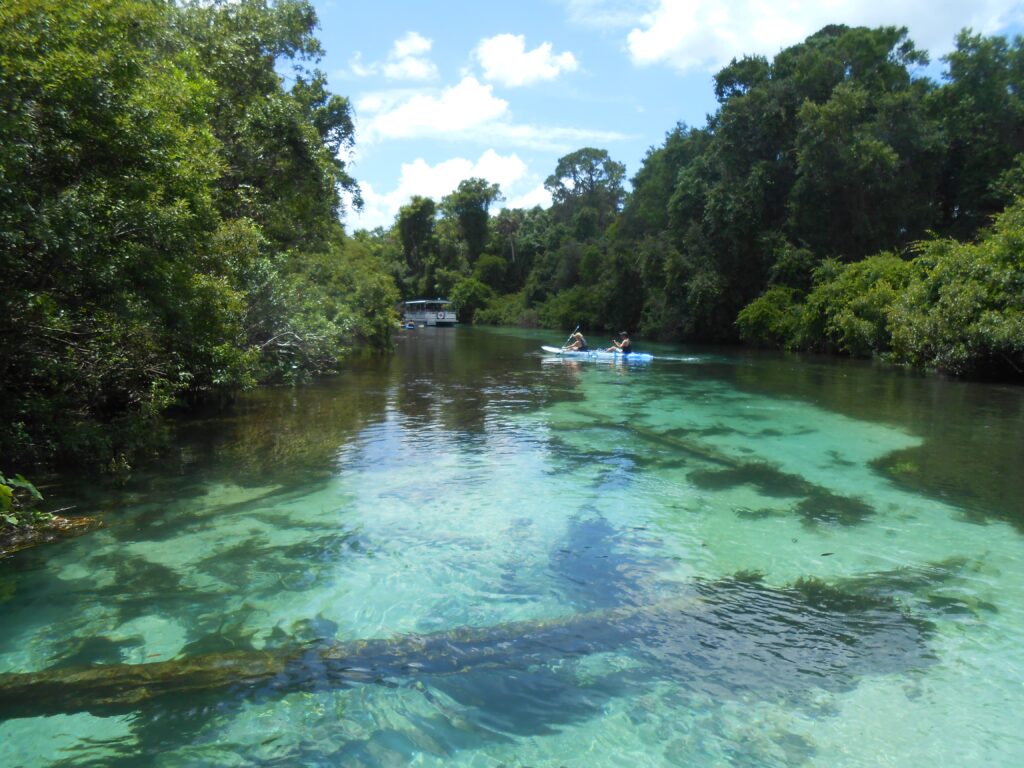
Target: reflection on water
<point>465,554</point>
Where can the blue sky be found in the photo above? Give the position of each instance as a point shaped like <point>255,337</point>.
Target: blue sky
<point>446,90</point>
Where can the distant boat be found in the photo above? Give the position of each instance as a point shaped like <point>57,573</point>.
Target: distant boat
<point>420,312</point>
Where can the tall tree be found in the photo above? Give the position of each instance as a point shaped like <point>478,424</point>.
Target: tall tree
<point>828,146</point>
<point>416,223</point>
<point>168,217</point>
<point>981,107</point>
<point>281,147</point>
<point>469,205</point>
<point>586,189</point>
<point>106,168</point>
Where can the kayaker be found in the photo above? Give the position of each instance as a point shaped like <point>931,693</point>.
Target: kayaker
<point>625,346</point>
<point>576,343</point>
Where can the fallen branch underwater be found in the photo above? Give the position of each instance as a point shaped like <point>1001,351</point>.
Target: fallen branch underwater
<point>125,687</point>
<point>703,637</point>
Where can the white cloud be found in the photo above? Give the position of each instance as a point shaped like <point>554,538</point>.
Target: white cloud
<point>358,68</point>
<point>607,13</point>
<point>553,138</point>
<point>690,34</point>
<point>406,60</point>
<point>465,112</point>
<point>505,60</point>
<point>413,44</point>
<point>468,111</point>
<point>536,196</point>
<point>436,181</point>
<point>460,108</point>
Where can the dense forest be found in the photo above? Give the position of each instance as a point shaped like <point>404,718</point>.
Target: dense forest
<point>171,217</point>
<point>838,200</point>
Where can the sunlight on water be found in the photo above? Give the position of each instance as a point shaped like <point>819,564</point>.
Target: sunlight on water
<point>638,548</point>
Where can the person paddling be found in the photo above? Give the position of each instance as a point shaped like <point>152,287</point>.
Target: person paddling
<point>576,343</point>
<point>625,346</point>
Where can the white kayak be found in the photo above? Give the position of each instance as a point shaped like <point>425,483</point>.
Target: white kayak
<point>600,355</point>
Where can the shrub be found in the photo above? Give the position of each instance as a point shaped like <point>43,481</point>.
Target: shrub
<point>848,309</point>
<point>509,309</point>
<point>579,305</point>
<point>18,500</point>
<point>469,295</point>
<point>772,319</point>
<point>963,311</point>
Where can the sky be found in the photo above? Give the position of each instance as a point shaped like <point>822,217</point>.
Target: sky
<point>444,90</point>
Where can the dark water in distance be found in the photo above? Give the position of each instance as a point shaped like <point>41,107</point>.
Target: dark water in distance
<point>723,557</point>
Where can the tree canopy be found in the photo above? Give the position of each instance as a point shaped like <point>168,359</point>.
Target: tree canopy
<point>790,218</point>
<point>169,217</point>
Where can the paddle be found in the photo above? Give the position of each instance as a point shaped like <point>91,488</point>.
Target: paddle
<point>566,343</point>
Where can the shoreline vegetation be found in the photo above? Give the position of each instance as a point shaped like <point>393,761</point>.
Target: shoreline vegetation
<point>24,525</point>
<point>171,219</point>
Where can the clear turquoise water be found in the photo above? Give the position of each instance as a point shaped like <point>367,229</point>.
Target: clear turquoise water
<point>469,482</point>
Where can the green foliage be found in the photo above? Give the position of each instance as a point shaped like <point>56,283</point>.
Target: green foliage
<point>980,108</point>
<point>793,266</point>
<point>415,227</point>
<point>586,188</point>
<point>107,168</point>
<point>280,147</point>
<point>509,309</point>
<point>469,205</point>
<point>963,311</point>
<point>491,271</point>
<point>469,295</point>
<point>168,215</point>
<point>772,319</point>
<point>849,307</point>
<point>580,305</point>
<point>18,500</point>
<point>957,307</point>
<point>325,305</point>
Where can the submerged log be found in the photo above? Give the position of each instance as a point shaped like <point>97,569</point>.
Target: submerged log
<point>725,636</point>
<point>56,528</point>
<point>125,687</point>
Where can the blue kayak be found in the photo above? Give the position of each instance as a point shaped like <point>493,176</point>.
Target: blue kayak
<point>600,355</point>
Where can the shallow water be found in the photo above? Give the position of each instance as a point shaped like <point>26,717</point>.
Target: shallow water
<point>716,559</point>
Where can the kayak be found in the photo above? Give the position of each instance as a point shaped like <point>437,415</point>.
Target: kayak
<point>600,355</point>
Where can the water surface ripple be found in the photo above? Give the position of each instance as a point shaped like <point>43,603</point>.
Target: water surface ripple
<point>470,554</point>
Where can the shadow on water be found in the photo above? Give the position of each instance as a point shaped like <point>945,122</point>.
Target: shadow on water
<point>973,433</point>
<point>818,505</point>
<point>814,504</point>
<point>593,570</point>
<point>726,639</point>
<point>735,639</point>
<point>717,640</point>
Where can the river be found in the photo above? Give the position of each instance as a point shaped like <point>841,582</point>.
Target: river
<point>719,558</point>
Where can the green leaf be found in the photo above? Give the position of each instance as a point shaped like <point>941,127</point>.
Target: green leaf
<point>19,481</point>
